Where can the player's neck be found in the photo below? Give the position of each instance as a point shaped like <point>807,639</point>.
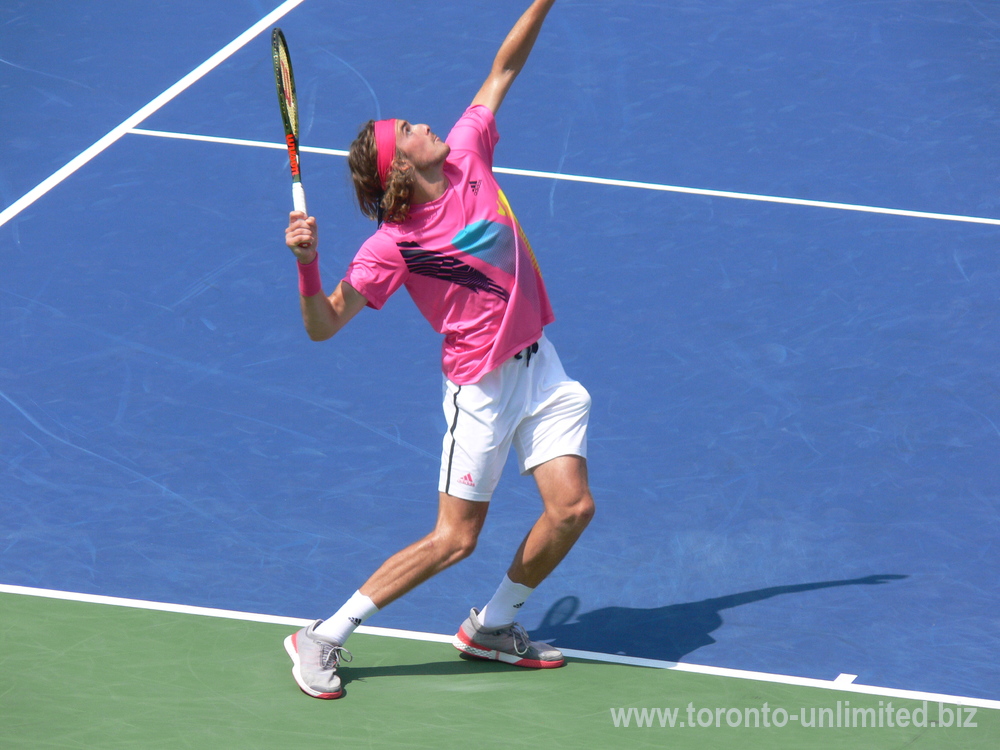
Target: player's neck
<point>429,184</point>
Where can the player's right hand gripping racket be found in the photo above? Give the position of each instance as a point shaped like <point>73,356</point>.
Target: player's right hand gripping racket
<point>289,113</point>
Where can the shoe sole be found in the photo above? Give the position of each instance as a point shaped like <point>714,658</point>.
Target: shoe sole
<point>468,646</point>
<point>293,652</point>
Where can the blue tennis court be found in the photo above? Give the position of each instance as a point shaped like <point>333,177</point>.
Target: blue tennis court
<point>769,231</point>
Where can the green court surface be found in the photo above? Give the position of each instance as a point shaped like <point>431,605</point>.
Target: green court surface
<point>85,675</point>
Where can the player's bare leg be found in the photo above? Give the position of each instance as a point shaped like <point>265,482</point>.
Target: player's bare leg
<point>569,507</point>
<point>491,634</point>
<point>453,539</point>
<point>317,650</point>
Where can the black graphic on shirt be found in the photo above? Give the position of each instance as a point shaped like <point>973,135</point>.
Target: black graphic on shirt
<point>439,266</point>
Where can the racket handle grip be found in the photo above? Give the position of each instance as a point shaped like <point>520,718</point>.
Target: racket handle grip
<point>299,198</point>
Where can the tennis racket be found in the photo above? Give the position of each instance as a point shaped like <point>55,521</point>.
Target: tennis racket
<point>289,113</point>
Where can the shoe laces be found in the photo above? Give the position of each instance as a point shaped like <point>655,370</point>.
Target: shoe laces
<point>521,641</point>
<point>333,655</point>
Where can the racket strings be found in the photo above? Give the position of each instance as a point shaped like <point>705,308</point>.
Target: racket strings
<point>288,90</point>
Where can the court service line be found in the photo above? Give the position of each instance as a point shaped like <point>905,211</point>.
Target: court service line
<point>842,683</point>
<point>171,93</point>
<point>234,141</point>
<point>615,183</point>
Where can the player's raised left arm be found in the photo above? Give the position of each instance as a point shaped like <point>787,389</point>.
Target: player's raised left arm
<point>512,55</point>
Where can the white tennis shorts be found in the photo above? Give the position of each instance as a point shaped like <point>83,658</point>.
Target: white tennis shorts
<point>528,401</point>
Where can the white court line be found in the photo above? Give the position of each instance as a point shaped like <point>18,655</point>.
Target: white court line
<point>234,141</point>
<point>841,683</point>
<point>112,137</point>
<point>616,183</point>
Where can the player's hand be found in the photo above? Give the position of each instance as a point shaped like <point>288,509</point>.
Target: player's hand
<point>302,236</point>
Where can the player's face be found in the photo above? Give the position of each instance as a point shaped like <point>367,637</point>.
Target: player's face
<point>419,145</point>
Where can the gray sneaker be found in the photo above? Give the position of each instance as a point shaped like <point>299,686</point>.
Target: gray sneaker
<point>314,662</point>
<point>509,644</point>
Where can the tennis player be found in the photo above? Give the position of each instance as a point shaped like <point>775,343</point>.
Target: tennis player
<point>448,234</point>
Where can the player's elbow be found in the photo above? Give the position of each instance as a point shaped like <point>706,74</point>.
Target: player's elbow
<point>321,333</point>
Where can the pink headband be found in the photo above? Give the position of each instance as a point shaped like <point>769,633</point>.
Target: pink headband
<point>385,147</point>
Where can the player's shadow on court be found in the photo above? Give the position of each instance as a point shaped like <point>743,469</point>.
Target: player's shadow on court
<point>668,633</point>
<point>454,664</point>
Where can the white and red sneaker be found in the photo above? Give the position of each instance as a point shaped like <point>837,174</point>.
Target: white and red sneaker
<point>509,644</point>
<point>314,662</point>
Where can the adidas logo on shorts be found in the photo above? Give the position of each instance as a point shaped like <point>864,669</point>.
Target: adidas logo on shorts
<point>467,480</point>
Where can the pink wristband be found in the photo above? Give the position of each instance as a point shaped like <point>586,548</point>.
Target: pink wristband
<point>309,281</point>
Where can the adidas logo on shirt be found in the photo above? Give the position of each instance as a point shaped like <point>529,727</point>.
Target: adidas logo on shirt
<point>475,185</point>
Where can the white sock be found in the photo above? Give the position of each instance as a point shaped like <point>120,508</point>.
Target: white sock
<point>355,611</point>
<point>502,609</point>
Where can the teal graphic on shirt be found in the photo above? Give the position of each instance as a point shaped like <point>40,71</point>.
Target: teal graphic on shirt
<point>491,242</point>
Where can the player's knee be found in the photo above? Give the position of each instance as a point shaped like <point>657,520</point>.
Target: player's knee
<point>453,545</point>
<point>583,510</point>
<point>575,513</point>
<point>464,546</point>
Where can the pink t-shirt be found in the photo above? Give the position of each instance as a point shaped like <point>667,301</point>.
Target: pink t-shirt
<point>464,260</point>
